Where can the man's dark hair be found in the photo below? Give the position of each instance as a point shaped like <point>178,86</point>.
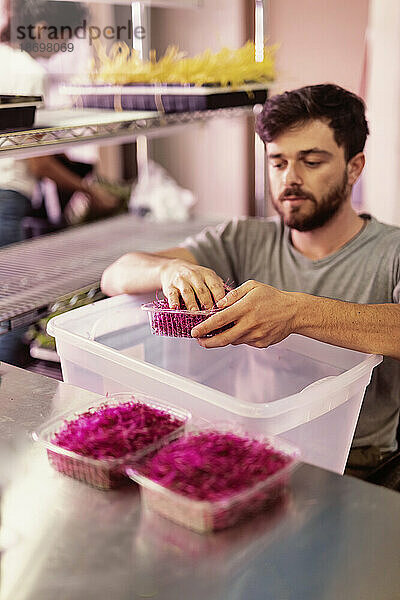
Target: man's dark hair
<point>342,110</point>
<point>30,12</point>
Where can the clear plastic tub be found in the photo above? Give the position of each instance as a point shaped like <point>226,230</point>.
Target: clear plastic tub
<point>307,392</point>
<point>204,516</point>
<point>106,473</point>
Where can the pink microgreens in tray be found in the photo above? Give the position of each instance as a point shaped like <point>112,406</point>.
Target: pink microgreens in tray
<point>210,480</point>
<point>177,322</point>
<point>94,445</point>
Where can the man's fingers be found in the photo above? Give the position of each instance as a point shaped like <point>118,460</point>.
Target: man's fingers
<point>202,292</point>
<point>222,339</point>
<point>212,323</point>
<point>216,286</point>
<point>208,288</point>
<point>199,287</point>
<point>173,297</point>
<point>188,297</point>
<point>235,295</point>
<point>189,291</point>
<point>232,314</point>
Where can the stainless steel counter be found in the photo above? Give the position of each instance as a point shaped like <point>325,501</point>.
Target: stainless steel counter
<point>332,538</point>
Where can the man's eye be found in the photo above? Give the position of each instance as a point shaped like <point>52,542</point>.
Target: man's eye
<point>278,165</point>
<point>311,163</point>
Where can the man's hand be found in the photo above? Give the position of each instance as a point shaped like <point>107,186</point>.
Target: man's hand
<point>262,315</point>
<point>180,278</point>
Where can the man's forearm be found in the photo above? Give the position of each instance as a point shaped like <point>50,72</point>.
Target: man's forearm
<point>140,272</point>
<point>133,273</point>
<point>263,315</point>
<point>372,328</point>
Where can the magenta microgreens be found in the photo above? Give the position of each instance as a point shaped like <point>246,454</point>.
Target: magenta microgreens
<point>114,431</point>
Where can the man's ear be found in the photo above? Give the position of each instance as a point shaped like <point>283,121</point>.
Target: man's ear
<point>355,167</point>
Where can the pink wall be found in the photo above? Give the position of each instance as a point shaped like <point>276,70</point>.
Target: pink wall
<point>382,174</point>
<point>321,41</point>
<point>209,159</point>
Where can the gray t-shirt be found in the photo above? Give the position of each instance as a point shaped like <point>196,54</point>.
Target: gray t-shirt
<point>366,270</point>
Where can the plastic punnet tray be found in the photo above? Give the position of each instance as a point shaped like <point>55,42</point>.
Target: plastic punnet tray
<point>203,516</point>
<point>105,473</point>
<point>307,392</point>
<point>177,322</point>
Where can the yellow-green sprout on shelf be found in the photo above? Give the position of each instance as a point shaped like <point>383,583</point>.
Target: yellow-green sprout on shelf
<point>122,65</point>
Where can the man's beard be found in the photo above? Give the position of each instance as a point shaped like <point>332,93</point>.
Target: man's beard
<point>323,211</point>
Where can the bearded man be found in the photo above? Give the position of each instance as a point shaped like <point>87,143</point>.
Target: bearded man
<point>319,269</point>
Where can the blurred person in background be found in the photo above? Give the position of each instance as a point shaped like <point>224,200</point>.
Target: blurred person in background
<point>319,269</point>
<point>20,74</point>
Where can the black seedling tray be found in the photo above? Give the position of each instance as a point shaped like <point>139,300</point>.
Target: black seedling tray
<point>18,112</point>
<point>166,98</point>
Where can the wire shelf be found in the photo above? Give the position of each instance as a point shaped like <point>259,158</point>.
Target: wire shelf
<point>91,125</point>
<point>38,273</point>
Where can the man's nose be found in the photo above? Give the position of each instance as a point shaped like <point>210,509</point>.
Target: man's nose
<point>292,175</point>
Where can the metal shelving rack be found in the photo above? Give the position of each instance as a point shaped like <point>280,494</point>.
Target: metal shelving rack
<point>25,292</point>
<point>89,126</point>
<point>28,291</point>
